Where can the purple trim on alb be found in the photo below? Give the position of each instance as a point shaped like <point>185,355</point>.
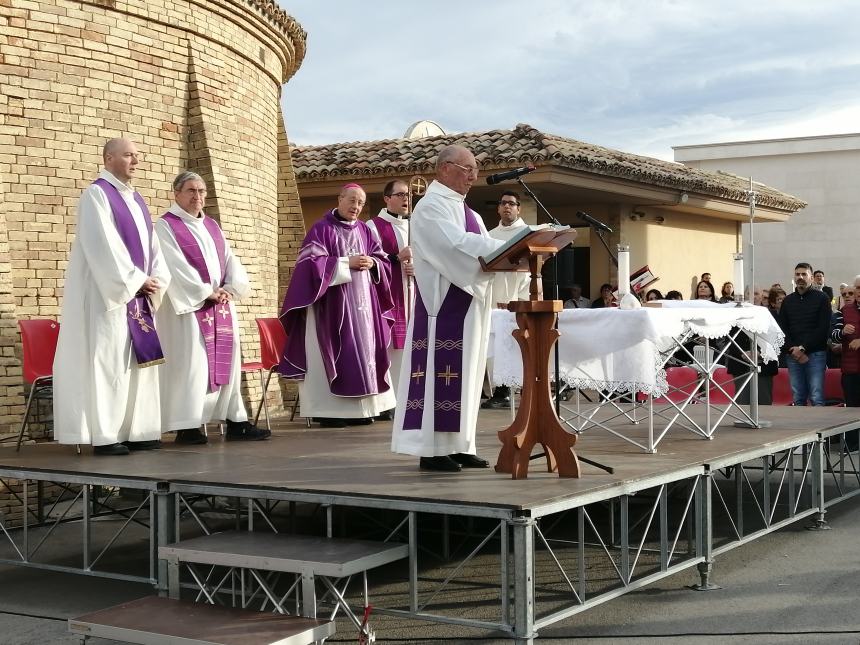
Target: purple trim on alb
<point>389,244</point>
<point>418,366</point>
<point>214,319</point>
<point>141,326</point>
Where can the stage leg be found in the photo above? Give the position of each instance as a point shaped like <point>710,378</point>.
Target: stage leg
<point>706,532</point>
<point>413,561</point>
<point>165,511</point>
<point>524,593</point>
<point>819,464</point>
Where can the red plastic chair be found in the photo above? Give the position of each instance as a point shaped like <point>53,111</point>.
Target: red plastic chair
<point>782,388</point>
<point>727,382</point>
<point>683,381</point>
<point>39,344</point>
<point>273,339</point>
<point>833,394</point>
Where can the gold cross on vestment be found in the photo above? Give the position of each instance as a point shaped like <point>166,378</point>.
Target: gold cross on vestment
<point>447,375</point>
<point>224,312</point>
<point>208,319</point>
<point>417,374</point>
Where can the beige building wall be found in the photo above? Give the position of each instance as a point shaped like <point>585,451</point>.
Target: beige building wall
<point>195,83</point>
<point>821,170</point>
<point>682,247</point>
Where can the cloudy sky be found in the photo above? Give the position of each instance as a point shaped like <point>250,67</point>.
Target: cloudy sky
<point>640,76</point>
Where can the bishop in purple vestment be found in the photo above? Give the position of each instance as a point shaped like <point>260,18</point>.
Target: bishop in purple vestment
<point>338,320</point>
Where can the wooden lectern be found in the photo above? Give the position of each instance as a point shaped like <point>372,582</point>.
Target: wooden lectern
<point>536,420</point>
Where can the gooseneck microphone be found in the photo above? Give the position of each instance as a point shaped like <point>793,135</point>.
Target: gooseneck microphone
<point>509,174</point>
<point>596,223</point>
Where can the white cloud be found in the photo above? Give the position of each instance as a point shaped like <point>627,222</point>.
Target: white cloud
<point>639,76</point>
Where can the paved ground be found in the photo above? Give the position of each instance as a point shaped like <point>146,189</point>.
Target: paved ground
<point>794,586</point>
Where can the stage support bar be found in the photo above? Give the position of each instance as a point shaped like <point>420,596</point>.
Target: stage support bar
<point>165,517</point>
<point>704,502</point>
<point>524,593</point>
<point>818,468</point>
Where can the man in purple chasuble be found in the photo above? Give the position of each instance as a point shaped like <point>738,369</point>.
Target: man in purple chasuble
<point>198,323</point>
<point>439,391</point>
<point>391,227</point>
<point>106,368</point>
<point>337,316</point>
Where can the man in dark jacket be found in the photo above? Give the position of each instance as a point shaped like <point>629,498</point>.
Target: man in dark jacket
<point>805,318</point>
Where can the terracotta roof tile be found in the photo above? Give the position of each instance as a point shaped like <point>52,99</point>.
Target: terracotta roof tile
<point>524,144</point>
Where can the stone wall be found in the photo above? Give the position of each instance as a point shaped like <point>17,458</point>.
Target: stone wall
<point>195,83</point>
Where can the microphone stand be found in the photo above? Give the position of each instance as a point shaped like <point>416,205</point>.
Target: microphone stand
<point>557,360</point>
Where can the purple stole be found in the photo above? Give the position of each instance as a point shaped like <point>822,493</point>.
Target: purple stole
<point>389,244</point>
<point>447,355</point>
<point>141,327</point>
<point>214,318</point>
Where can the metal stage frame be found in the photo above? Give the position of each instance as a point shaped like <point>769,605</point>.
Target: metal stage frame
<point>576,544</point>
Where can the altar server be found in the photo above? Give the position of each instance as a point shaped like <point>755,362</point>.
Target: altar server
<point>443,365</point>
<point>391,227</point>
<point>105,368</point>
<point>200,330</point>
<point>337,316</point>
<point>507,285</point>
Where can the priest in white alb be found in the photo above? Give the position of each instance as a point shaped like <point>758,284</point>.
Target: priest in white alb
<point>106,368</point>
<point>391,227</point>
<point>446,343</point>
<point>507,285</point>
<point>198,323</point>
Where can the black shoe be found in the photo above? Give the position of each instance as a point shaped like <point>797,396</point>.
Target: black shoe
<point>110,449</point>
<point>388,415</point>
<point>331,422</point>
<point>443,463</point>
<point>245,431</point>
<point>155,444</point>
<point>359,421</point>
<point>191,437</point>
<point>470,461</point>
<point>496,404</point>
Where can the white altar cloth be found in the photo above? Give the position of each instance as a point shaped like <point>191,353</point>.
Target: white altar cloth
<point>624,350</point>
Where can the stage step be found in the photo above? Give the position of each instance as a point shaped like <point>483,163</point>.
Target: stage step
<point>162,621</point>
<point>312,558</point>
<point>330,557</point>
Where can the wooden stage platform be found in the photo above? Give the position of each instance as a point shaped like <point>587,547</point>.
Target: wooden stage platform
<point>789,471</point>
<point>357,463</point>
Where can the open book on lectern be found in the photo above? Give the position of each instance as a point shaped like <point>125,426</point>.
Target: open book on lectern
<point>506,258</point>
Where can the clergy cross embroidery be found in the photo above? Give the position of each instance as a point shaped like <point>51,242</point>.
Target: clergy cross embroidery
<point>417,374</point>
<point>208,319</point>
<point>447,375</point>
<point>224,312</point>
<point>137,317</point>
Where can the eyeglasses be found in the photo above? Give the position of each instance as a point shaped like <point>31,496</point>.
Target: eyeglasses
<point>847,293</point>
<point>133,155</point>
<point>196,191</point>
<point>399,195</point>
<point>468,169</point>
<point>506,202</point>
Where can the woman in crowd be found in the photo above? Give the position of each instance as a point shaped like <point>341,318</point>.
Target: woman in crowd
<point>653,294</point>
<point>774,303</point>
<point>605,299</point>
<point>674,295</point>
<point>728,292</point>
<point>846,332</point>
<point>705,291</point>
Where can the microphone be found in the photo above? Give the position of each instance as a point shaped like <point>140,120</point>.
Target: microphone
<point>596,223</point>
<point>509,174</point>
